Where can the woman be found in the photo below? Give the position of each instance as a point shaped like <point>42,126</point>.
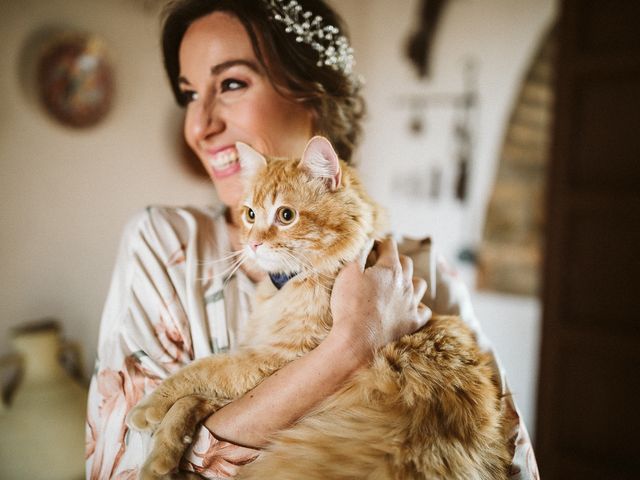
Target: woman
<point>245,70</point>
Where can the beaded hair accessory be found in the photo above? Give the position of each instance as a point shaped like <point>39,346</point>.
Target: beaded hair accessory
<point>332,47</point>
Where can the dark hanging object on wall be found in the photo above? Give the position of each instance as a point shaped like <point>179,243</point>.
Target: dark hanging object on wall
<point>462,132</point>
<point>75,79</point>
<point>416,125</point>
<point>462,179</point>
<point>420,42</point>
<point>463,158</point>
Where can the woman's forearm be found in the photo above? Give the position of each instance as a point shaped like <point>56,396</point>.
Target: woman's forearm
<point>288,394</point>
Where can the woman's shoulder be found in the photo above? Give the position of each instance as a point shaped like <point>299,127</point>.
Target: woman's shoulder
<point>159,218</point>
<point>159,215</point>
<point>164,228</point>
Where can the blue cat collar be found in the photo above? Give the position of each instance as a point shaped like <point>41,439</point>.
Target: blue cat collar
<point>279,279</point>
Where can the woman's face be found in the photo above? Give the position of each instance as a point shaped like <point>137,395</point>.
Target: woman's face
<point>230,98</point>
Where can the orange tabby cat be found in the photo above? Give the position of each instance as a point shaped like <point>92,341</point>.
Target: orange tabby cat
<point>427,407</point>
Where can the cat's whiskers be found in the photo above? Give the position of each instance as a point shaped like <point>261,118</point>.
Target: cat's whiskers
<point>307,268</point>
<point>232,255</point>
<point>289,264</point>
<point>304,260</point>
<point>212,275</point>
<point>226,273</point>
<point>233,269</point>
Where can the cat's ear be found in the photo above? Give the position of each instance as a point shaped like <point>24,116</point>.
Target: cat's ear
<point>320,160</point>
<point>251,160</point>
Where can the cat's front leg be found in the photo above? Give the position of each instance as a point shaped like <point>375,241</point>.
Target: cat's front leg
<point>174,435</point>
<point>219,378</point>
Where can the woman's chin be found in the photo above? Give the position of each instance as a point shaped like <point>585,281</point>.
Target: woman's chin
<point>229,189</point>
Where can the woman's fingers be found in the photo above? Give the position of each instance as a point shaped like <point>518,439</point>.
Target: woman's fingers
<point>367,256</point>
<point>387,253</point>
<point>419,288</point>
<point>407,268</point>
<point>387,256</point>
<point>424,314</point>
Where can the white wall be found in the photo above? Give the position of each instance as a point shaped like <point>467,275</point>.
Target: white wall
<point>65,195</point>
<point>501,36</point>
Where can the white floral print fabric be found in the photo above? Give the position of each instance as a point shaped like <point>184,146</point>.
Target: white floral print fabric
<point>169,303</point>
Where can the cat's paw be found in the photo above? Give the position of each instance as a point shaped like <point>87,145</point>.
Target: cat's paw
<point>169,476</point>
<point>156,467</point>
<point>163,462</point>
<point>147,414</point>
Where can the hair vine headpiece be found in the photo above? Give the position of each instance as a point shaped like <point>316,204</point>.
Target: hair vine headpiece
<point>333,48</point>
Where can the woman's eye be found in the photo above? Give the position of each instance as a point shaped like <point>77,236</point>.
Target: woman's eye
<point>187,96</point>
<point>286,215</point>
<point>250,215</point>
<point>231,84</point>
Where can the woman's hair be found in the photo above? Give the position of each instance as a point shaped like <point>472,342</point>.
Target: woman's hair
<point>292,67</point>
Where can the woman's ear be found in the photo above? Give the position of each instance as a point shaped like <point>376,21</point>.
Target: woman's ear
<point>251,161</point>
<point>320,160</point>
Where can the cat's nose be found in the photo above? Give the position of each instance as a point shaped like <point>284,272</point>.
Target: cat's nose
<point>255,245</point>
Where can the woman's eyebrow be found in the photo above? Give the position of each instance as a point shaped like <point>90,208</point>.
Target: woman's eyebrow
<point>221,67</point>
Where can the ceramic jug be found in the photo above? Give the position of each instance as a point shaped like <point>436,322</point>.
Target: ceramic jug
<point>42,425</point>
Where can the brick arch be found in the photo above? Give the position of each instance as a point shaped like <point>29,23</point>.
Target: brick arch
<point>510,254</point>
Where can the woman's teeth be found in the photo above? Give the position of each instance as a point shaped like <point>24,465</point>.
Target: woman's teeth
<point>224,159</point>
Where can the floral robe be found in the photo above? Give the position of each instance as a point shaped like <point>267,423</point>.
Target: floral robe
<point>174,298</point>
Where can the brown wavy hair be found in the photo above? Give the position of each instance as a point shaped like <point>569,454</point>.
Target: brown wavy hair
<point>333,96</point>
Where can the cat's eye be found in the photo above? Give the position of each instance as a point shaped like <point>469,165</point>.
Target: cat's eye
<point>249,215</point>
<point>285,215</point>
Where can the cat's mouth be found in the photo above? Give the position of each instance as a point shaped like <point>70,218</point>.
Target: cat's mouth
<point>225,162</point>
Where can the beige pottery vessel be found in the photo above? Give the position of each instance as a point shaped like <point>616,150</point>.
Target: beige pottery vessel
<point>42,429</point>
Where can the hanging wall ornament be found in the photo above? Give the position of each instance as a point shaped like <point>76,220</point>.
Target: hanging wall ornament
<point>75,80</point>
<point>420,42</point>
<point>417,122</point>
<point>463,158</point>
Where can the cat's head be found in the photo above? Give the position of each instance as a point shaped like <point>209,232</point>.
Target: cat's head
<point>306,214</point>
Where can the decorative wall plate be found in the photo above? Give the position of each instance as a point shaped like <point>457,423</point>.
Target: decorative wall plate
<point>75,79</point>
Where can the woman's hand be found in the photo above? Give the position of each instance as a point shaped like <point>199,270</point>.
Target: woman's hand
<point>378,304</point>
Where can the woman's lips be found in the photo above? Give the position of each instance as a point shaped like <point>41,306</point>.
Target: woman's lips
<point>224,162</point>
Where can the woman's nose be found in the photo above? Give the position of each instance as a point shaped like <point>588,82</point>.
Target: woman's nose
<point>205,121</point>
